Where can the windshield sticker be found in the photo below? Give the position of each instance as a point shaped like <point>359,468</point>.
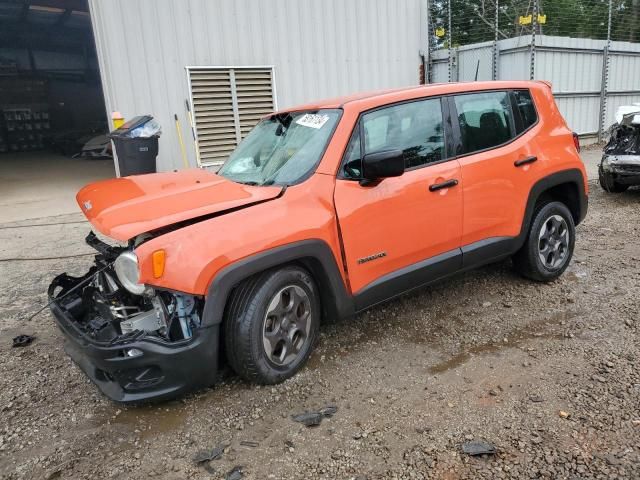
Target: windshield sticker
<point>312,120</point>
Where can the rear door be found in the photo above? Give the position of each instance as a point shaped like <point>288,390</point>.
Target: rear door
<point>498,161</point>
<point>402,231</point>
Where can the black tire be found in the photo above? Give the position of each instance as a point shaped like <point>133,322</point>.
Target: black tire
<point>246,321</point>
<point>608,184</point>
<point>528,260</point>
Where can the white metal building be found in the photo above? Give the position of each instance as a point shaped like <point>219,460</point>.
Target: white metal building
<point>234,61</point>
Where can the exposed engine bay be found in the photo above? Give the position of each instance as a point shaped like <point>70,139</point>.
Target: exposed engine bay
<point>106,311</point>
<point>625,137</point>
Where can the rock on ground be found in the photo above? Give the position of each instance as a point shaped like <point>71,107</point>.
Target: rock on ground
<point>485,355</point>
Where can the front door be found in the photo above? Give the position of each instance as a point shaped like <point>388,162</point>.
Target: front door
<point>403,231</point>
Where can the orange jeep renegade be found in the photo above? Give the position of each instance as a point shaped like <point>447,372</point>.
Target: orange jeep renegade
<point>322,211</point>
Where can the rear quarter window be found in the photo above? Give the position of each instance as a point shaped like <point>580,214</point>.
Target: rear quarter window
<point>526,109</point>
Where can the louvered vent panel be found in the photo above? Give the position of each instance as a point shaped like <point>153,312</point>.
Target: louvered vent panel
<point>211,91</point>
<point>255,97</point>
<point>226,110</point>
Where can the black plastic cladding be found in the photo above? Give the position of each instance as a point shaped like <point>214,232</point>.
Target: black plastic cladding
<point>314,250</point>
<point>394,284</point>
<point>164,369</point>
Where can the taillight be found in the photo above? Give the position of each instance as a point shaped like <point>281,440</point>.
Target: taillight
<point>576,141</point>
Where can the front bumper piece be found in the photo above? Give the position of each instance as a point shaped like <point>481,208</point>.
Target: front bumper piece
<point>624,169</point>
<point>135,368</point>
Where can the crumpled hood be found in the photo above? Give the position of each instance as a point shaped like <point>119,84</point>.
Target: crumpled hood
<point>122,208</point>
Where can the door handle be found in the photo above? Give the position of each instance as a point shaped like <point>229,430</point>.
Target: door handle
<point>524,161</point>
<point>439,186</point>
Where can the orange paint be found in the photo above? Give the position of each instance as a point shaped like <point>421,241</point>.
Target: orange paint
<point>399,216</point>
<point>122,208</point>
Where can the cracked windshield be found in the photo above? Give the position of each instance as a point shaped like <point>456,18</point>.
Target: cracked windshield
<point>282,148</point>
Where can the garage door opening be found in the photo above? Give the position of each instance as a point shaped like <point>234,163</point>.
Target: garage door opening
<point>52,110</point>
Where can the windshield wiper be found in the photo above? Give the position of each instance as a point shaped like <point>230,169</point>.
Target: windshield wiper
<point>250,183</point>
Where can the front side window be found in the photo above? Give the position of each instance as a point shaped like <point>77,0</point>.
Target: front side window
<point>282,149</point>
<point>415,128</point>
<point>353,163</point>
<point>485,120</point>
<point>526,109</point>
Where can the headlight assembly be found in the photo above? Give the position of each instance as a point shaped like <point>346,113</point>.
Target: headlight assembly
<point>126,267</point>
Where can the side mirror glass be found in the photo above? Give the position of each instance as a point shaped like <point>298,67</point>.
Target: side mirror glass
<point>379,165</point>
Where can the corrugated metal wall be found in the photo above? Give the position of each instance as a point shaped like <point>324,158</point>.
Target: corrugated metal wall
<point>574,67</point>
<point>475,62</point>
<point>440,67</point>
<point>317,48</point>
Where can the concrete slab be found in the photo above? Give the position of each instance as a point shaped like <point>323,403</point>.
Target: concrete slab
<point>42,184</point>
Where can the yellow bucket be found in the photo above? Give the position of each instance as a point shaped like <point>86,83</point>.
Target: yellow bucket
<point>117,119</point>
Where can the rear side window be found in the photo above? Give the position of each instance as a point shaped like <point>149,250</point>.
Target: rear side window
<point>416,128</point>
<point>485,120</point>
<point>527,110</point>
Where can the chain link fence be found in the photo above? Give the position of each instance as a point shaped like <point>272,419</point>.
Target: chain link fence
<point>589,50</point>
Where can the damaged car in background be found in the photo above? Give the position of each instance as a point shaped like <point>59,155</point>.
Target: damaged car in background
<point>620,165</point>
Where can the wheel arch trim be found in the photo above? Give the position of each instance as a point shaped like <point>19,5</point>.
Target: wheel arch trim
<point>314,254</point>
<point>572,176</point>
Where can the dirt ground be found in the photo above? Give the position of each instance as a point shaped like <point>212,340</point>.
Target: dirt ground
<point>546,373</point>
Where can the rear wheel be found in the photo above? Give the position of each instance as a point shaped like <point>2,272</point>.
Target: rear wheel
<point>271,324</point>
<point>549,245</point>
<point>608,184</point>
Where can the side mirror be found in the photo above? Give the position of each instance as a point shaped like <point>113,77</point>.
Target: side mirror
<point>376,166</point>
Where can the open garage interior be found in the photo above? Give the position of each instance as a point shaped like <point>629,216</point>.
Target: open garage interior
<point>52,113</point>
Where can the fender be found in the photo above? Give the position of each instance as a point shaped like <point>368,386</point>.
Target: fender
<point>495,249</point>
<point>573,176</point>
<point>315,254</point>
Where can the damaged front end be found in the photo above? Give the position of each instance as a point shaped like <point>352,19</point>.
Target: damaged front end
<point>147,345</point>
<point>620,165</point>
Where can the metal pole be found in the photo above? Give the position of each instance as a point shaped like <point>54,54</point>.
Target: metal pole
<point>534,24</point>
<point>430,34</point>
<point>605,78</point>
<point>494,73</point>
<point>449,35</point>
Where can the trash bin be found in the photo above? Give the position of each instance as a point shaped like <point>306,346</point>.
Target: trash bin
<point>136,145</point>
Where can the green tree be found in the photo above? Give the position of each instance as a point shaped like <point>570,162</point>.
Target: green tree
<point>473,21</point>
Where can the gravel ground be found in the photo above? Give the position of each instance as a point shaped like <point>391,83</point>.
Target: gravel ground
<point>545,373</point>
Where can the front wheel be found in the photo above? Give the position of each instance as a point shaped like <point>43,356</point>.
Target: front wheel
<point>549,245</point>
<point>271,324</point>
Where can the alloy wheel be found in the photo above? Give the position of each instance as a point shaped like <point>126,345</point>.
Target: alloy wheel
<point>553,242</point>
<point>286,325</point>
